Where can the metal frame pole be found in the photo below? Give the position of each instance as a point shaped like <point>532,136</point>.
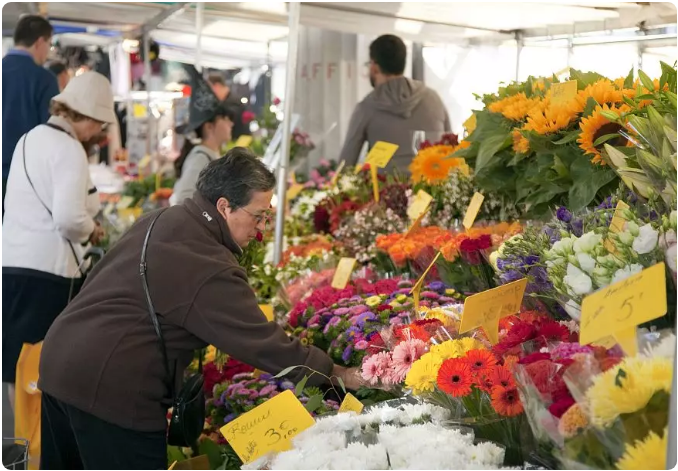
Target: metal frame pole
<point>147,79</point>
<point>290,76</point>
<point>199,15</point>
<point>519,48</point>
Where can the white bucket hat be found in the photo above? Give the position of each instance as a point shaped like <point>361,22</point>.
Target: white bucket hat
<point>91,95</point>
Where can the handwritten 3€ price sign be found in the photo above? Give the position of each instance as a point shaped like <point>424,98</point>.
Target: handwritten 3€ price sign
<point>380,154</point>
<point>486,308</point>
<point>617,309</point>
<point>267,428</point>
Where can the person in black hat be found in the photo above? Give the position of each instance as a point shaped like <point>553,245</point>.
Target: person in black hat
<point>209,127</point>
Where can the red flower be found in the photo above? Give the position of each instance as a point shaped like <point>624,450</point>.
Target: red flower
<point>560,407</point>
<point>484,242</point>
<point>455,377</point>
<point>276,101</point>
<point>247,116</point>
<point>469,245</point>
<point>502,376</point>
<point>480,361</point>
<point>384,307</point>
<point>533,357</point>
<point>260,236</point>
<point>376,344</point>
<point>321,219</point>
<point>506,401</point>
<point>550,330</point>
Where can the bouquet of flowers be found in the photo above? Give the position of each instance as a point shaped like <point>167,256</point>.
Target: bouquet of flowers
<point>413,252</point>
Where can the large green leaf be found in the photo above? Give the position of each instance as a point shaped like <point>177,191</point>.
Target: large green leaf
<point>213,452</point>
<point>489,147</point>
<point>314,402</point>
<point>300,386</point>
<point>487,125</point>
<point>546,193</point>
<point>569,137</point>
<point>587,179</point>
<point>584,79</point>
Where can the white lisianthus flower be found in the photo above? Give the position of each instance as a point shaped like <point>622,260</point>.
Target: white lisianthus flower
<point>586,262</point>
<point>601,276</point>
<point>632,227</point>
<point>646,241</point>
<point>587,242</point>
<point>671,255</point>
<point>667,239</point>
<point>493,258</point>
<point>577,281</point>
<point>626,238</point>
<point>562,247</point>
<point>573,309</point>
<point>627,271</point>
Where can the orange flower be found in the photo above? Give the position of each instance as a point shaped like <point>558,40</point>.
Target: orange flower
<point>480,361</point>
<point>520,143</point>
<point>433,164</point>
<point>596,126</point>
<point>502,376</point>
<point>455,377</point>
<point>506,401</point>
<point>510,361</point>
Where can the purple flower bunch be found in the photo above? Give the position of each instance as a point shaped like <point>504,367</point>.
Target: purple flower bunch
<point>514,267</point>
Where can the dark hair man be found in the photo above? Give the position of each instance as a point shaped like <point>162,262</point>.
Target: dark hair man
<point>27,88</point>
<point>223,93</point>
<point>396,107</point>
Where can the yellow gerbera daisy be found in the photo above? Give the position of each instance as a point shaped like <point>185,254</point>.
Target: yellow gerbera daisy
<point>423,375</point>
<point>432,165</point>
<point>469,343</point>
<point>647,454</point>
<point>596,126</point>
<point>447,350</point>
<point>627,387</point>
<point>520,143</point>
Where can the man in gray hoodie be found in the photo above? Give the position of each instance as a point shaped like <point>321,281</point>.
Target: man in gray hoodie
<point>395,109</point>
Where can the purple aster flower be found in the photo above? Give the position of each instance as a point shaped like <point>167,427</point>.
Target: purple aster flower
<point>266,377</point>
<point>578,227</point>
<point>436,286</point>
<point>509,276</point>
<point>266,390</point>
<point>446,299</point>
<point>230,417</point>
<point>346,356</point>
<point>285,385</point>
<point>395,321</point>
<point>530,260</point>
<point>334,321</point>
<point>353,332</point>
<point>359,309</point>
<point>361,345</point>
<point>342,311</point>
<point>430,295</point>
<point>563,214</point>
<point>606,204</point>
<point>404,291</point>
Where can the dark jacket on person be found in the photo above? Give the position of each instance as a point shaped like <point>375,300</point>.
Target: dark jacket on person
<point>391,113</point>
<point>239,127</point>
<point>102,354</point>
<point>27,90</point>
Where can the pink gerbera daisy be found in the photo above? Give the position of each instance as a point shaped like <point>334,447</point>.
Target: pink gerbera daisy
<point>406,353</point>
<point>375,367</point>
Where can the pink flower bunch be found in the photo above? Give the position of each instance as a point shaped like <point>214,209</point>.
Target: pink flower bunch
<point>390,368</point>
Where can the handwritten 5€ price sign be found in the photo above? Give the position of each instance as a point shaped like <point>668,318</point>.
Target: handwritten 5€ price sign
<point>267,428</point>
<point>617,309</point>
<point>380,154</point>
<point>486,308</point>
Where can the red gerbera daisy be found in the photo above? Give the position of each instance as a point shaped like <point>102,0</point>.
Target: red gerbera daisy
<point>455,377</point>
<point>480,361</point>
<point>506,401</point>
<point>552,331</point>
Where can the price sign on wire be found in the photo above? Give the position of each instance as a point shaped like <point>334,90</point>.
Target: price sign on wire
<point>243,141</point>
<point>375,182</point>
<point>417,222</point>
<point>470,124</point>
<point>486,308</point>
<point>619,308</point>
<point>616,225</point>
<point>267,428</point>
<point>350,403</point>
<point>419,205</point>
<point>380,154</point>
<point>343,273</point>
<point>563,93</point>
<point>267,309</point>
<point>472,210</point>
<point>416,289</point>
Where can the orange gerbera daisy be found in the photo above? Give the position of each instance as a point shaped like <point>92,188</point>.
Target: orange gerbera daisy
<point>502,376</point>
<point>455,377</point>
<point>432,165</point>
<point>596,126</point>
<point>480,361</point>
<point>506,401</point>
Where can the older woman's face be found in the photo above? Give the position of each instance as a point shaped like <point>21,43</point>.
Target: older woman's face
<point>244,223</point>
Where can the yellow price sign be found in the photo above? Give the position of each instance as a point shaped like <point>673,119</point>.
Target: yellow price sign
<point>486,308</point>
<point>337,173</point>
<point>563,93</point>
<point>617,309</point>
<point>293,191</point>
<point>139,110</point>
<point>616,225</point>
<point>471,123</point>
<point>350,403</point>
<point>124,203</point>
<point>243,141</point>
<point>381,153</point>
<point>267,309</point>
<point>144,162</point>
<point>358,168</point>
<point>375,182</point>
<point>267,428</point>
<point>416,289</point>
<point>417,222</point>
<point>343,272</point>
<point>472,210</point>
<point>419,204</point>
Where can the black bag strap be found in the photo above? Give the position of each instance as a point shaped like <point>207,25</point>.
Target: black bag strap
<point>143,271</point>
<point>49,211</point>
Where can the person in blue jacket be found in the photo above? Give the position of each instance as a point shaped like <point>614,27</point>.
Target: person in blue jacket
<point>27,87</point>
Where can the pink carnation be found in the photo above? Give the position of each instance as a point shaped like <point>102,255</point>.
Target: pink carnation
<point>406,353</point>
<point>375,367</point>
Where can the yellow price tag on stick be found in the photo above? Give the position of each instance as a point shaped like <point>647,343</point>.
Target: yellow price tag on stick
<point>563,93</point>
<point>267,428</point>
<point>616,225</point>
<point>337,173</point>
<point>619,308</point>
<point>472,210</point>
<point>417,222</point>
<point>486,308</point>
<point>470,124</point>
<point>358,168</point>
<point>172,466</point>
<point>350,403</point>
<point>267,309</point>
<point>343,272</point>
<point>124,203</point>
<point>243,141</point>
<point>416,289</point>
<point>380,154</point>
<point>375,182</point>
<point>144,162</point>
<point>419,204</point>
<point>293,191</point>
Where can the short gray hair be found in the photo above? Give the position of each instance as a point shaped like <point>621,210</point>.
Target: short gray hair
<point>235,177</point>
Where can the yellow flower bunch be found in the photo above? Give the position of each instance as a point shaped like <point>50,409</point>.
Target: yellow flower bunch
<point>596,126</point>
<point>446,317</point>
<point>423,375</point>
<point>456,348</point>
<point>550,119</point>
<point>627,387</point>
<point>516,107</point>
<point>647,454</point>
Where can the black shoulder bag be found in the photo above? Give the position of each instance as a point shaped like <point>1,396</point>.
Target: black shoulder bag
<point>188,407</point>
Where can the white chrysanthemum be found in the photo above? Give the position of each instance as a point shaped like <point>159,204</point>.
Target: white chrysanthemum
<point>665,348</point>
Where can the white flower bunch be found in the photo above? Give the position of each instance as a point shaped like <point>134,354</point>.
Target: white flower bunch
<point>305,205</point>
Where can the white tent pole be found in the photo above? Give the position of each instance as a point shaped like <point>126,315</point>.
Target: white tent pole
<point>290,76</point>
<point>147,78</point>
<point>199,13</point>
<point>519,48</point>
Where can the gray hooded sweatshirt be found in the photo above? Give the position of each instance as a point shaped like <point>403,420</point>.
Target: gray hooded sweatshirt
<point>391,113</point>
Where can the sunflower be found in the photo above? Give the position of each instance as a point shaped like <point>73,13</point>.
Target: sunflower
<point>647,454</point>
<point>628,387</point>
<point>518,109</point>
<point>455,377</point>
<point>596,126</point>
<point>506,401</point>
<point>423,375</point>
<point>500,105</point>
<point>520,143</point>
<point>549,120</point>
<point>431,164</point>
<point>480,361</point>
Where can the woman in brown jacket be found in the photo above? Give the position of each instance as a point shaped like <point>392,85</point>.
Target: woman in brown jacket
<point>101,372</point>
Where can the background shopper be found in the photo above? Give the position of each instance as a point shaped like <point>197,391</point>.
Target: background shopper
<point>51,204</point>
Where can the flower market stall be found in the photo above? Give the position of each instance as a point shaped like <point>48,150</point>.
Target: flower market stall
<point>512,303</point>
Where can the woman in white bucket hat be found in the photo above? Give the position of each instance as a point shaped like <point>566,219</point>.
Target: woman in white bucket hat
<point>49,215</point>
